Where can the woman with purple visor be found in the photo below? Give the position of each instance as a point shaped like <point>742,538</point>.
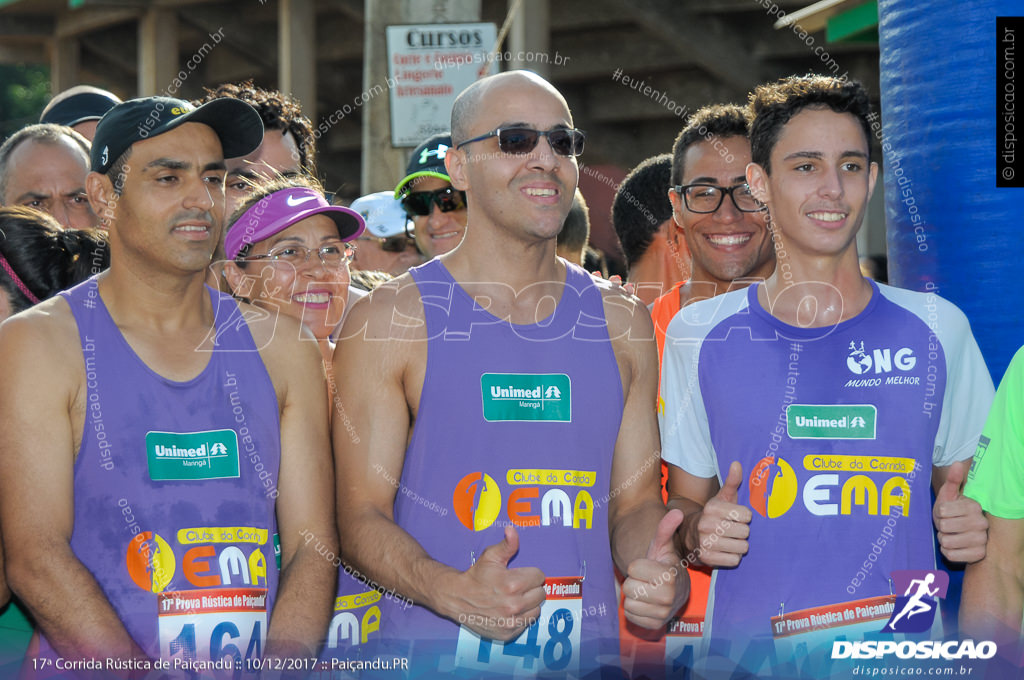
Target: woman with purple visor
<point>288,252</point>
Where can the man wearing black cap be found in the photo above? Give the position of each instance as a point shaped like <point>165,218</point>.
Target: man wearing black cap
<point>179,441</point>
<point>80,108</point>
<point>437,209</point>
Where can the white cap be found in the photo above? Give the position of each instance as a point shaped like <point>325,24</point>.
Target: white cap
<point>383,213</point>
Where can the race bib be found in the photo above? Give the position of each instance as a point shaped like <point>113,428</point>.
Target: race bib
<point>213,623</point>
<point>804,638</point>
<point>682,644</point>
<point>551,646</point>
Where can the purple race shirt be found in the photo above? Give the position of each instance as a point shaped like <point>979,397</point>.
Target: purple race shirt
<point>837,430</point>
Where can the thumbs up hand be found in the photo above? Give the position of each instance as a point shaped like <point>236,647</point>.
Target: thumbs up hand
<point>961,525</point>
<point>497,602</point>
<point>657,585</point>
<point>724,526</point>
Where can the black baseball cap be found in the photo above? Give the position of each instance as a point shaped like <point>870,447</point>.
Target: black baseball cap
<point>79,108</point>
<point>427,161</point>
<point>237,124</point>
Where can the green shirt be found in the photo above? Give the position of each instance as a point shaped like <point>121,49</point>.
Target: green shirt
<point>996,479</point>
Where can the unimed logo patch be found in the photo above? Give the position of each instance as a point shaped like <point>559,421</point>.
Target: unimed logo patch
<point>831,421</point>
<point>174,456</point>
<point>516,397</point>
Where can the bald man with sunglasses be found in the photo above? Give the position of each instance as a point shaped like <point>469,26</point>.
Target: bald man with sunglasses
<point>506,457</point>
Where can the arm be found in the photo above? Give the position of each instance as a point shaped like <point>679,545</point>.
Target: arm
<point>962,528</point>
<point>993,595</point>
<point>43,386</point>
<point>641,532</point>
<point>379,371</point>
<point>5,592</point>
<point>306,502</point>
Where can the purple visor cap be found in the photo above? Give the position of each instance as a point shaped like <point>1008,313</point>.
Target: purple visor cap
<point>280,210</point>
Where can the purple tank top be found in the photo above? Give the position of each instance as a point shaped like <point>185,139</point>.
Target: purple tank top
<point>517,425</point>
<point>175,486</point>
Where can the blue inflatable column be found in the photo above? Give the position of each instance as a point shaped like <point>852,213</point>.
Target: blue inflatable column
<point>950,228</point>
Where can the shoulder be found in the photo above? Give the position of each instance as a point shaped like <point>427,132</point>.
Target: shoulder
<point>43,344</point>
<point>392,310</point>
<point>48,327</point>
<point>286,347</point>
<point>927,305</point>
<point>943,319</point>
<point>695,321</point>
<point>625,314</point>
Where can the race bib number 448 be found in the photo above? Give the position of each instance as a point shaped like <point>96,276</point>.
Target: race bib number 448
<point>551,646</point>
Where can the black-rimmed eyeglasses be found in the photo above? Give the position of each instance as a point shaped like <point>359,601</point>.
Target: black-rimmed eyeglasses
<point>707,198</point>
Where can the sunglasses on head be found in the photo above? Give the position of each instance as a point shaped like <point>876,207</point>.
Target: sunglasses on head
<point>518,140</point>
<point>420,203</point>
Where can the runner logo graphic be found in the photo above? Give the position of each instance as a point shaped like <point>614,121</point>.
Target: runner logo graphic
<point>915,609</point>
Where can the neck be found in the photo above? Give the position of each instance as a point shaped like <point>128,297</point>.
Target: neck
<point>662,266</point>
<point>488,256</point>
<point>512,279</point>
<point>816,291</point>
<point>164,303</point>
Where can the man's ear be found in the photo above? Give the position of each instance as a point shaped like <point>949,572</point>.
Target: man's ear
<point>455,163</point>
<point>872,178</point>
<point>677,211</point>
<point>101,195</point>
<point>757,180</point>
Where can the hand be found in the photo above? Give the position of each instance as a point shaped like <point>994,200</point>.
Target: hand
<point>494,601</point>
<point>628,288</point>
<point>657,585</point>
<point>962,527</point>
<point>724,526</point>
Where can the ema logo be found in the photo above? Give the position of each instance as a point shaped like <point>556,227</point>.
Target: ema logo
<point>773,487</point>
<point>882,360</point>
<point>915,609</point>
<point>439,153</point>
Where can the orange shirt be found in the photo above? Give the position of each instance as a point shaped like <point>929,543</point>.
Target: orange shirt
<point>638,655</point>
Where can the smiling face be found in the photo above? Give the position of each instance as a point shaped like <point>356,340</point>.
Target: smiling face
<point>728,243</point>
<point>526,196</point>
<point>820,183</point>
<point>439,232</point>
<point>312,292</point>
<point>169,215</point>
<point>51,177</point>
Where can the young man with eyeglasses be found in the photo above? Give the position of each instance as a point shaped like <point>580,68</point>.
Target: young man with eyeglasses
<point>724,233</point>
<point>487,478</point>
<point>806,419</point>
<point>179,440</point>
<point>437,210</point>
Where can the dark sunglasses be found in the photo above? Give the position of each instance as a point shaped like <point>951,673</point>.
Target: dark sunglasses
<point>518,141</point>
<point>420,203</point>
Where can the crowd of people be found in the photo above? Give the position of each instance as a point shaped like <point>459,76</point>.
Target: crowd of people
<point>419,435</point>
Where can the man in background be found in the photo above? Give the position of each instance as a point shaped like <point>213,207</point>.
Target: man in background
<point>44,167</point>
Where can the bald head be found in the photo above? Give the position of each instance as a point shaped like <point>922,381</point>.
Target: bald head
<point>467,105</point>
